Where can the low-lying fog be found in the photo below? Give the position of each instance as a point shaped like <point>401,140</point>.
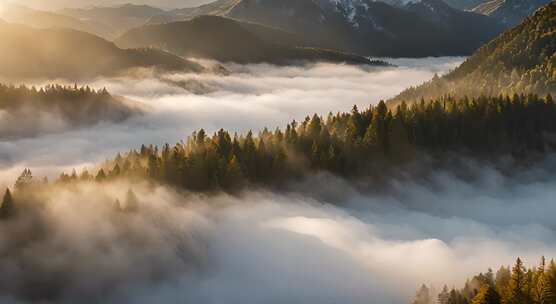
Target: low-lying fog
<point>279,247</point>
<point>336,245</point>
<point>252,97</point>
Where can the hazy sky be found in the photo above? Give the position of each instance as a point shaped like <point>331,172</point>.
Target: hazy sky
<point>57,4</point>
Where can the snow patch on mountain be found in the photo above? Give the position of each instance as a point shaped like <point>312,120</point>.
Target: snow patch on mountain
<point>352,10</point>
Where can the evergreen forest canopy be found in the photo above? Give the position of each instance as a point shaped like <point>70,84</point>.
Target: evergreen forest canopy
<point>364,143</point>
<point>28,111</point>
<point>520,61</point>
<point>517,285</point>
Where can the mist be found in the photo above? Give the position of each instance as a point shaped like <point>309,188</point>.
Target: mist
<point>251,97</point>
<point>322,239</point>
<point>335,245</point>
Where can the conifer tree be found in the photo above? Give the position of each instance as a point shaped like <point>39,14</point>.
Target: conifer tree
<point>131,202</point>
<point>7,208</point>
<point>517,285</point>
<point>487,295</point>
<point>444,296</point>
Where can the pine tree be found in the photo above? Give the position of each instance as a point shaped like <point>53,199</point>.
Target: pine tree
<point>101,176</point>
<point>444,295</point>
<point>423,296</point>
<point>516,294</point>
<point>131,202</point>
<point>8,208</point>
<point>487,295</point>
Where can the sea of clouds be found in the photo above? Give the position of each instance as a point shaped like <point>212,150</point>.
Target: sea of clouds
<point>249,98</point>
<point>321,241</point>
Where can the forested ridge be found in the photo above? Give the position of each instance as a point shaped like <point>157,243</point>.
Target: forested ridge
<point>509,285</point>
<point>361,143</point>
<point>522,61</point>
<point>22,108</point>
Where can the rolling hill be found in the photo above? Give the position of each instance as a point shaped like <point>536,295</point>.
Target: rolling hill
<point>63,53</point>
<point>520,61</point>
<point>229,40</point>
<point>43,19</point>
<point>118,18</point>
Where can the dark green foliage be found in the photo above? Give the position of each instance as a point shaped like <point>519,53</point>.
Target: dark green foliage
<point>487,295</point>
<point>76,106</point>
<point>522,60</point>
<point>7,208</point>
<point>360,143</point>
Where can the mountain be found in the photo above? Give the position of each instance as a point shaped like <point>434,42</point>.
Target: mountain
<point>118,18</point>
<point>43,19</point>
<point>458,4</point>
<point>226,40</point>
<point>468,27</point>
<point>53,53</point>
<point>360,26</point>
<point>509,12</point>
<point>520,61</point>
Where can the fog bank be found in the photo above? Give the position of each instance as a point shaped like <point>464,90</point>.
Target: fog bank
<point>341,245</point>
<point>252,97</point>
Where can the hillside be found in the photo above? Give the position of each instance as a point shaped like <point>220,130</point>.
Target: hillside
<point>54,53</point>
<point>27,112</point>
<point>43,19</point>
<point>522,60</point>
<point>472,30</point>
<point>359,26</point>
<point>228,40</point>
<point>118,18</point>
<point>509,12</point>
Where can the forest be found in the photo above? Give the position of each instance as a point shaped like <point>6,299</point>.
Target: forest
<point>28,111</point>
<point>515,285</point>
<point>363,143</point>
<point>521,60</point>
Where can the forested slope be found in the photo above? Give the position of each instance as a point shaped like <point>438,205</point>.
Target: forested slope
<point>28,111</point>
<point>364,143</point>
<point>515,284</point>
<point>522,60</point>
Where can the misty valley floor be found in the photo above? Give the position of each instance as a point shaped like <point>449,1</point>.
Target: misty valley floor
<point>321,241</point>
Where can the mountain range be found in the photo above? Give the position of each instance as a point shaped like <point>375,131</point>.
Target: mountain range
<point>118,19</point>
<point>229,40</point>
<point>63,53</point>
<point>423,28</point>
<point>521,61</point>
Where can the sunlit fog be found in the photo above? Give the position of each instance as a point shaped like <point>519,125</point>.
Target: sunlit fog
<point>273,151</point>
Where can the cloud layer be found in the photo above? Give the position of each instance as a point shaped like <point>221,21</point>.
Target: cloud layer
<point>288,247</point>
<point>252,97</point>
<point>321,241</point>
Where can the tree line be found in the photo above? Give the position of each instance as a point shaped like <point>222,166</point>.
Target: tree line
<point>522,60</point>
<point>515,285</point>
<point>360,143</point>
<point>354,144</point>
